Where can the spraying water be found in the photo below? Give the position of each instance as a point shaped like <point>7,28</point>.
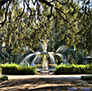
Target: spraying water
<point>43,55</point>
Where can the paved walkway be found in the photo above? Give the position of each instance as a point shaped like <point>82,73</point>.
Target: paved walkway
<point>46,76</point>
<point>44,83</point>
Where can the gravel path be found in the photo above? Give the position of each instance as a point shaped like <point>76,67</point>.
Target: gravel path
<point>43,83</point>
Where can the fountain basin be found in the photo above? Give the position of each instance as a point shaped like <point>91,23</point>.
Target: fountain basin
<point>44,72</point>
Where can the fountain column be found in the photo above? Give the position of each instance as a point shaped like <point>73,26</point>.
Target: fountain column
<point>45,62</point>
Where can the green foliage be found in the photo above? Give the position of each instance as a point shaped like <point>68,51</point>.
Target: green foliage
<point>86,77</point>
<point>52,66</point>
<point>88,69</point>
<point>78,59</point>
<point>73,69</point>
<point>63,21</point>
<point>15,69</point>
<point>0,70</point>
<point>4,78</point>
<point>91,82</point>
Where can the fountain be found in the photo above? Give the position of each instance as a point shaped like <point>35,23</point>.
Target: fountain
<point>43,57</point>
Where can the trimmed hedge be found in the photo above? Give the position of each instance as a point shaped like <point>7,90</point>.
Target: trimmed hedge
<point>86,77</point>
<point>73,69</point>
<point>14,69</point>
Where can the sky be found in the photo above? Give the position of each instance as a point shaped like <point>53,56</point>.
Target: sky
<point>86,1</point>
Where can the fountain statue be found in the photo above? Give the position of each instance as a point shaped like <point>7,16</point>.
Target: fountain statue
<point>45,41</point>
<point>43,56</point>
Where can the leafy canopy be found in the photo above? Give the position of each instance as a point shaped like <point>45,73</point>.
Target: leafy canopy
<point>25,22</point>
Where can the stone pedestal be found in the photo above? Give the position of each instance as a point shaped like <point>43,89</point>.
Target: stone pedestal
<point>45,69</point>
<point>44,72</point>
<point>45,64</point>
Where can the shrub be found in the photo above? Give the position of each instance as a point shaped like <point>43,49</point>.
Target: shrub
<point>63,69</point>
<point>0,71</point>
<point>4,78</point>
<point>79,69</point>
<point>86,77</point>
<point>15,69</point>
<point>73,69</point>
<point>91,82</point>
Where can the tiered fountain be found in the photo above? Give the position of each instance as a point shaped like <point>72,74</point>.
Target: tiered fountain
<point>43,55</point>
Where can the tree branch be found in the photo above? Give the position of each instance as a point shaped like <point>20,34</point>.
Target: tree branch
<point>22,12</point>
<point>6,13</point>
<point>2,2</point>
<point>58,10</point>
<point>28,5</point>
<point>63,3</point>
